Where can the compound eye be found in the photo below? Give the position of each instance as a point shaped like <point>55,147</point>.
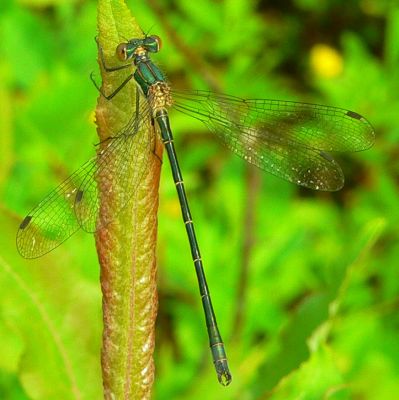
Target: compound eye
<point>121,51</point>
<point>158,41</point>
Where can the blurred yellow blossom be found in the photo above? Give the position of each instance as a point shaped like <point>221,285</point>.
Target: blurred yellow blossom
<point>325,61</point>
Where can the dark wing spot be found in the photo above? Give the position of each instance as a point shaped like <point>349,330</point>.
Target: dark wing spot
<point>25,222</point>
<point>354,115</point>
<point>79,196</point>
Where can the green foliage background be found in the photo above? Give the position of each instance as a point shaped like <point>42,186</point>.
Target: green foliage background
<point>316,315</point>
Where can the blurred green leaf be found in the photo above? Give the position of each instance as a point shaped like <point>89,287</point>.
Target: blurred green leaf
<point>45,309</point>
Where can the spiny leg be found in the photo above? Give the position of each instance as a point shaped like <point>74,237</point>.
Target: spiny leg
<point>116,91</point>
<point>110,69</point>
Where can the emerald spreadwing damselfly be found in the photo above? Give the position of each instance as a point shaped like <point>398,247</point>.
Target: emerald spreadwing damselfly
<point>291,140</point>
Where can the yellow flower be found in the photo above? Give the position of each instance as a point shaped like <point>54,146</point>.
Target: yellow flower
<point>325,61</point>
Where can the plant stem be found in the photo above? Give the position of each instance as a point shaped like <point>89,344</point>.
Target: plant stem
<point>127,246</point>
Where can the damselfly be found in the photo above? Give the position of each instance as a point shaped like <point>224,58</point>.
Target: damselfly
<point>291,140</point>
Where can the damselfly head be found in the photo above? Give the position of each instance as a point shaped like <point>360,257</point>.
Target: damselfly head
<point>126,51</point>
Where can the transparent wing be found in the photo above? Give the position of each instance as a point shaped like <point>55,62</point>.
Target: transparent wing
<point>53,220</point>
<point>288,139</point>
<point>75,202</point>
<point>121,164</point>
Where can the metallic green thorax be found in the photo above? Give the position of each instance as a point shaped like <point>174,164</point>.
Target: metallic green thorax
<point>147,73</point>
